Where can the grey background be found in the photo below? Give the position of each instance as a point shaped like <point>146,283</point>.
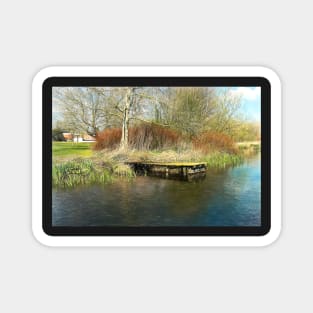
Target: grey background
<point>36,34</point>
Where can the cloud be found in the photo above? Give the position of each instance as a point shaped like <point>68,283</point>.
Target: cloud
<point>248,93</point>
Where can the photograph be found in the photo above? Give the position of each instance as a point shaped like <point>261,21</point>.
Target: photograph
<point>166,156</point>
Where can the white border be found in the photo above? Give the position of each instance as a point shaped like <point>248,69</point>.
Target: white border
<point>152,71</point>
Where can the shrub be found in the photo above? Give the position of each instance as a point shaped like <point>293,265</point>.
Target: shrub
<point>152,137</point>
<point>141,137</point>
<point>57,134</point>
<point>109,138</point>
<point>213,141</point>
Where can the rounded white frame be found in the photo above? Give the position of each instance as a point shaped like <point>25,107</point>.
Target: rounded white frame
<point>155,71</point>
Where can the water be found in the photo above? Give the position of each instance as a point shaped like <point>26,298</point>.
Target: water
<point>227,197</point>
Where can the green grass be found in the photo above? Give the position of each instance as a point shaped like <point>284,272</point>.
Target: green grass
<point>79,172</point>
<point>221,160</point>
<point>71,149</point>
<point>86,172</point>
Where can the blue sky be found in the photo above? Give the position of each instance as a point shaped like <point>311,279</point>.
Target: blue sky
<point>251,102</point>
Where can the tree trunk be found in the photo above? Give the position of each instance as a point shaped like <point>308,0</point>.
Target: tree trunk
<point>125,123</point>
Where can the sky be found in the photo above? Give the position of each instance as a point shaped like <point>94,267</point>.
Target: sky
<point>251,102</point>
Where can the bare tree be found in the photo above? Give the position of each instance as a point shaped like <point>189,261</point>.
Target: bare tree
<point>225,118</point>
<point>188,109</point>
<point>82,109</point>
<point>129,103</point>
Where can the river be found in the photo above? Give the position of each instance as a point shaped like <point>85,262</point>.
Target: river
<point>225,197</point>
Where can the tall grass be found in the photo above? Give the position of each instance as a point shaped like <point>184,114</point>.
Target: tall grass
<point>214,159</point>
<point>249,148</point>
<point>222,160</point>
<point>123,170</point>
<point>87,172</point>
<point>78,172</point>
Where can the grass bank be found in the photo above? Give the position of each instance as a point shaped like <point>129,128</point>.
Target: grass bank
<point>214,159</point>
<point>77,164</point>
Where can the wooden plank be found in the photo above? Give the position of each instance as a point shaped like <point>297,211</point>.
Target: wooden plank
<point>174,164</point>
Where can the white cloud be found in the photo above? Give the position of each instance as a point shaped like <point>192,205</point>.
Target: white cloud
<point>248,93</point>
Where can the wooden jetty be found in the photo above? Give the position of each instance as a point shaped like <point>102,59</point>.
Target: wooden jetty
<point>169,169</point>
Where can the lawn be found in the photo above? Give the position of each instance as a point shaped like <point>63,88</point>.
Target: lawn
<point>71,149</point>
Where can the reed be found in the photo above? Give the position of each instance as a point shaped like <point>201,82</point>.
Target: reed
<point>222,160</point>
<point>123,170</point>
<point>86,172</point>
<point>79,172</point>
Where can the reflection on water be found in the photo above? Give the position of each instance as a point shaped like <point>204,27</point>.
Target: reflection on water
<point>228,197</point>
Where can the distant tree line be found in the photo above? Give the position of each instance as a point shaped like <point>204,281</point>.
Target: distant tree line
<point>188,110</point>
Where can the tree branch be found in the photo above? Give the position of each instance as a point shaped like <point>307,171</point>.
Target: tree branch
<point>149,122</point>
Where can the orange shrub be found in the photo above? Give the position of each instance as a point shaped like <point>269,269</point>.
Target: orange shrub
<point>212,141</point>
<point>109,138</point>
<point>141,137</point>
<point>152,136</point>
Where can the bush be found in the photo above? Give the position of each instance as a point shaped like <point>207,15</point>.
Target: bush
<point>212,141</point>
<point>57,134</point>
<point>152,137</point>
<point>141,137</point>
<point>109,138</point>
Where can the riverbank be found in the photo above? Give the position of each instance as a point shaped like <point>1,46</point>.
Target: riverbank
<point>85,166</point>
